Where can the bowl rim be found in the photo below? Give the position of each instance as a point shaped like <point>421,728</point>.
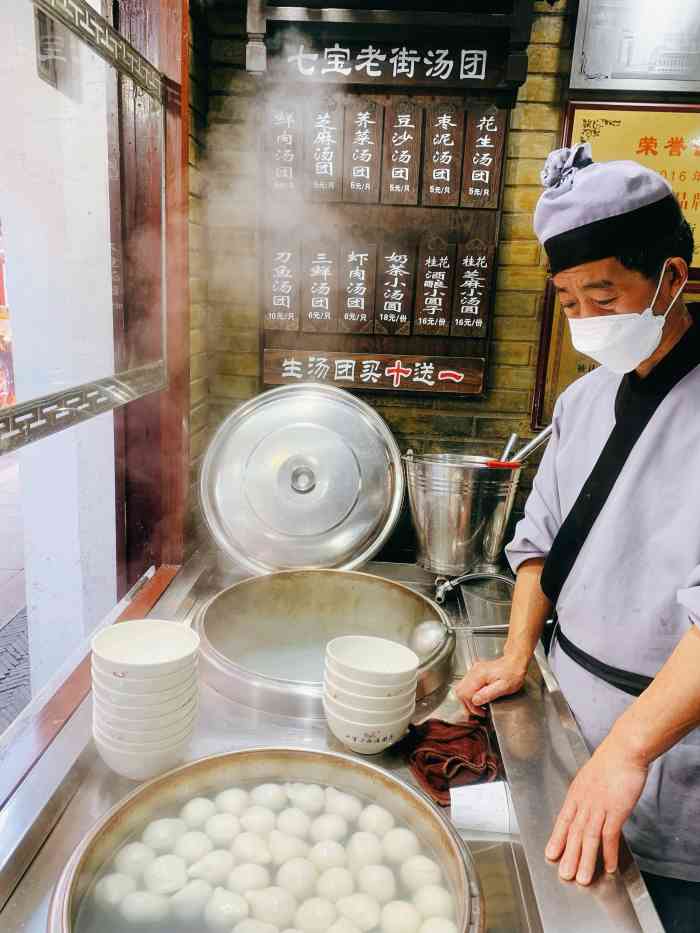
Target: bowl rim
<point>370,725</point>
<point>369,640</point>
<point>191,683</point>
<point>153,625</point>
<point>188,719</point>
<point>329,678</point>
<point>367,683</point>
<point>360,709</point>
<point>98,667</point>
<point>141,748</point>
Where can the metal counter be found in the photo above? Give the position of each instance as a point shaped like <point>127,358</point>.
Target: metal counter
<point>71,788</point>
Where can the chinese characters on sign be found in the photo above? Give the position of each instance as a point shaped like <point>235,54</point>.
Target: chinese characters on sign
<point>442,155</point>
<point>363,142</point>
<point>403,134</point>
<point>471,294</point>
<point>358,277</point>
<point>324,148</point>
<point>284,147</point>
<point>483,157</point>
<point>666,140</point>
<point>434,294</point>
<point>374,63</point>
<point>282,286</point>
<point>320,288</point>
<point>460,375</point>
<point>394,314</point>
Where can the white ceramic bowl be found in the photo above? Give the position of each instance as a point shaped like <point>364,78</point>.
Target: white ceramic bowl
<point>378,717</point>
<point>135,718</point>
<point>166,700</point>
<point>353,685</point>
<point>140,766</point>
<point>145,647</point>
<point>364,737</point>
<point>156,734</point>
<point>143,684</point>
<point>331,685</point>
<point>375,660</point>
<point>157,745</point>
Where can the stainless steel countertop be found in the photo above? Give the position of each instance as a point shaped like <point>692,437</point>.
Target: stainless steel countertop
<point>540,743</point>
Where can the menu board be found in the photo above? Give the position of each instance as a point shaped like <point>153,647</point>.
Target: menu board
<point>434,374</point>
<point>483,157</point>
<point>364,121</point>
<point>319,291</point>
<point>403,135</point>
<point>358,273</point>
<point>472,289</point>
<point>443,148</point>
<point>283,141</point>
<point>324,151</point>
<point>436,263</point>
<point>395,277</point>
<point>282,281</point>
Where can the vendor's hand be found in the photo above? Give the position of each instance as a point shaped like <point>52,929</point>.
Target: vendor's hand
<point>601,797</point>
<point>488,680</point>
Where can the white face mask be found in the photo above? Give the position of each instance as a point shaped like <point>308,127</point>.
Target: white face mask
<point>621,342</point>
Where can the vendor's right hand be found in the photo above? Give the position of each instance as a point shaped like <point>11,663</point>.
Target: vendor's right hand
<point>487,680</point>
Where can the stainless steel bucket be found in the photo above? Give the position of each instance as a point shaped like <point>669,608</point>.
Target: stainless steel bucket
<point>460,506</point>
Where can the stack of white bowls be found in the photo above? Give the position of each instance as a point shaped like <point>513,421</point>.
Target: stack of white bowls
<point>369,691</point>
<point>145,695</point>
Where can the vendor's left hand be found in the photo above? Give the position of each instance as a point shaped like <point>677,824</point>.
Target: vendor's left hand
<point>601,797</point>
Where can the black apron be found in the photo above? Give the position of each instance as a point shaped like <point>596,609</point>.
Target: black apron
<point>635,404</point>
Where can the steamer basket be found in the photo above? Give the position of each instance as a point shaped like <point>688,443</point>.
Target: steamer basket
<point>460,506</point>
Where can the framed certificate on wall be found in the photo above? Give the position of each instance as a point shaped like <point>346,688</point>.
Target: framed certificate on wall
<point>664,137</point>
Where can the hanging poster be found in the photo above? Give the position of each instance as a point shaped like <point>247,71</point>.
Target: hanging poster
<point>483,157</point>
<point>7,373</point>
<point>283,139</point>
<point>443,148</point>
<point>282,281</point>
<point>436,263</point>
<point>472,291</point>
<point>364,120</point>
<point>319,292</point>
<point>403,135</point>
<point>395,277</point>
<point>323,150</point>
<point>358,272</point>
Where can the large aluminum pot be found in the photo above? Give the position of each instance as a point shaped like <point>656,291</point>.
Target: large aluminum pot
<point>460,506</point>
<point>167,793</point>
<point>263,640</point>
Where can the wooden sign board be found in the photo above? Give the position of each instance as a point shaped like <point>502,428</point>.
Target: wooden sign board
<point>323,151</point>
<point>396,268</point>
<point>472,291</point>
<point>362,161</point>
<point>483,157</point>
<point>283,146</point>
<point>440,374</point>
<point>319,291</point>
<point>282,281</point>
<point>403,136</point>
<point>296,56</point>
<point>358,274</point>
<point>436,264</point>
<point>443,149</point>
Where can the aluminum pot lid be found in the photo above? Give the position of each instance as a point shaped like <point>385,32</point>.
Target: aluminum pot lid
<point>302,476</point>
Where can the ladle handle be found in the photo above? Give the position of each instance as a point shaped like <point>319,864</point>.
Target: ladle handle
<point>532,445</point>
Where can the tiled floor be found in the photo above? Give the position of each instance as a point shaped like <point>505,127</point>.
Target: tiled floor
<point>15,690</point>
<point>12,597</point>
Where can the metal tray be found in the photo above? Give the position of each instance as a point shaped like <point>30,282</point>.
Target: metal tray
<point>263,639</point>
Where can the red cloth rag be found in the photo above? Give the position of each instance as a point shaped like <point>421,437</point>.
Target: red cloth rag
<point>442,755</point>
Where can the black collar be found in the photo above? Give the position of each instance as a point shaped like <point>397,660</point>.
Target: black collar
<point>636,393</point>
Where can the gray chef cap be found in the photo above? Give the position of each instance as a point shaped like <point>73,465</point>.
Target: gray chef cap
<point>592,210</point>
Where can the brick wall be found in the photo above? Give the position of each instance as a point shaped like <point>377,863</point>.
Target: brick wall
<point>229,340</point>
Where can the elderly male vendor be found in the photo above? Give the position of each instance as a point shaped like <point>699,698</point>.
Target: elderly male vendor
<point>610,542</point>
